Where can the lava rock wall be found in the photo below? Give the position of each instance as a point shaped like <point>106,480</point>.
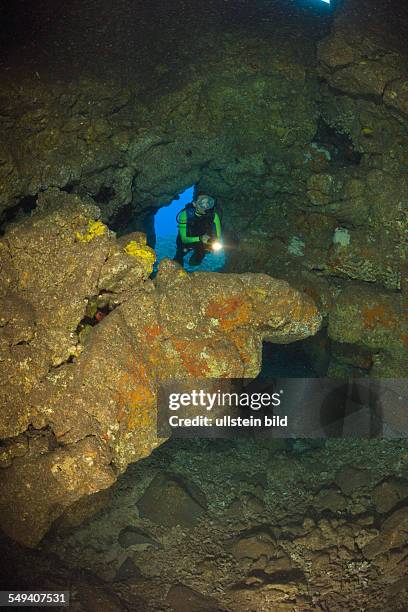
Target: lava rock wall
<point>87,337</point>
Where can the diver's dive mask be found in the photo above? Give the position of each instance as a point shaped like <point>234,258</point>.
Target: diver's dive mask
<point>203,204</point>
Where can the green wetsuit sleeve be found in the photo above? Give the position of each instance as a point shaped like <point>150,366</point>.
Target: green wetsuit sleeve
<point>217,222</point>
<point>182,225</point>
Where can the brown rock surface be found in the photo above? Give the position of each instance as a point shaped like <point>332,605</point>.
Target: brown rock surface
<point>307,155</point>
<point>389,493</point>
<point>374,320</point>
<point>350,480</point>
<point>172,501</point>
<point>329,499</point>
<point>282,558</point>
<point>295,150</point>
<point>251,547</point>
<point>393,536</point>
<point>102,394</point>
<point>183,599</point>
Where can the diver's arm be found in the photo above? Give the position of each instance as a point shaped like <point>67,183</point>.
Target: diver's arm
<point>182,225</point>
<point>217,223</point>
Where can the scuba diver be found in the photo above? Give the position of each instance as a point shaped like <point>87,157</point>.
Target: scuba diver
<point>199,227</point>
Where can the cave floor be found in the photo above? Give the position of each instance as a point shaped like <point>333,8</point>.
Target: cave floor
<point>246,524</point>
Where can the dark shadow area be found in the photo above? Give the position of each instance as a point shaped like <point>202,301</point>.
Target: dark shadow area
<point>23,208</point>
<point>352,409</point>
<point>340,146</point>
<point>121,220</point>
<point>127,220</point>
<point>105,194</point>
<point>126,39</point>
<point>25,569</point>
<point>285,361</point>
<point>70,187</point>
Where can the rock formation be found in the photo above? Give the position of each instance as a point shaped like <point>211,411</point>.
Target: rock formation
<point>306,155</point>
<point>79,401</point>
<point>247,524</point>
<point>299,127</point>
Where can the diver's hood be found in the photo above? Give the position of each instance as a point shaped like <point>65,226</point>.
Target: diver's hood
<point>204,203</point>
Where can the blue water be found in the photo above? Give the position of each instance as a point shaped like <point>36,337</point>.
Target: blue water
<point>165,219</point>
<point>166,233</point>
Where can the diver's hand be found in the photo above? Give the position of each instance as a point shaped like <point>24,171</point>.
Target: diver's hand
<point>205,238</point>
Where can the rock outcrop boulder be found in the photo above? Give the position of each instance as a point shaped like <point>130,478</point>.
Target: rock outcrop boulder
<point>78,407</point>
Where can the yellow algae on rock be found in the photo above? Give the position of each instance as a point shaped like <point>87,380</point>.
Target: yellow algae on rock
<point>95,228</point>
<point>135,249</point>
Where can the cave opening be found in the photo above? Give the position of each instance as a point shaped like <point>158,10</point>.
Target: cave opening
<point>165,229</point>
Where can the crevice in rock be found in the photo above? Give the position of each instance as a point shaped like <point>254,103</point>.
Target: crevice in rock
<point>44,435</point>
<point>120,220</point>
<point>70,187</point>
<point>98,307</point>
<point>339,145</point>
<point>379,519</point>
<point>340,93</point>
<point>257,530</point>
<point>280,576</point>
<point>70,359</point>
<point>105,194</point>
<point>128,220</point>
<point>147,226</point>
<point>23,208</point>
<point>94,314</point>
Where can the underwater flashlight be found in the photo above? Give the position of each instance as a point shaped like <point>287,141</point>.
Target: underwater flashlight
<point>216,245</point>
